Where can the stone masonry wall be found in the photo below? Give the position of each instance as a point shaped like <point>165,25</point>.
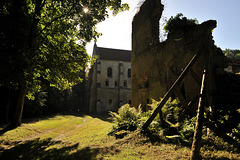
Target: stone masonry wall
<point>155,65</point>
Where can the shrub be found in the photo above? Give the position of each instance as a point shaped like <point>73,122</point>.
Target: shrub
<point>179,22</point>
<point>127,118</point>
<point>176,123</point>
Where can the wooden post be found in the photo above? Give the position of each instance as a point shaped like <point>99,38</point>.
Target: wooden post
<point>196,145</point>
<point>170,91</point>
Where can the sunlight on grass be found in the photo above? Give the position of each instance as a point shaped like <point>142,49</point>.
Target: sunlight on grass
<point>92,132</point>
<point>31,129</point>
<point>86,137</point>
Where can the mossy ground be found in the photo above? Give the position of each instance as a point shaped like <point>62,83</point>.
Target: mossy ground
<point>86,137</point>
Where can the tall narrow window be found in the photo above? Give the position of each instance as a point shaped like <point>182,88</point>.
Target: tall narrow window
<point>116,83</point>
<point>125,83</point>
<point>109,72</point>
<point>129,73</point>
<point>107,83</point>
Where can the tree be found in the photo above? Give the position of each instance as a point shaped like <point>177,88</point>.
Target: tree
<point>234,54</point>
<point>39,43</point>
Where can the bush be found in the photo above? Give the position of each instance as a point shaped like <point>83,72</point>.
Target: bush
<point>176,123</point>
<point>179,22</point>
<point>127,118</point>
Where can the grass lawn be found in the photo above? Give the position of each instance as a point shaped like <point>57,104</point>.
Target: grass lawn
<point>86,137</point>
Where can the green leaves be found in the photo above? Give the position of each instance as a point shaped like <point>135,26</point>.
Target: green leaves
<point>232,53</point>
<point>179,22</point>
<point>119,8</point>
<point>43,41</point>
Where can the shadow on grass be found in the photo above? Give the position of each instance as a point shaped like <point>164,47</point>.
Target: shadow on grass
<point>104,117</point>
<point>6,128</point>
<point>37,149</point>
<point>208,146</point>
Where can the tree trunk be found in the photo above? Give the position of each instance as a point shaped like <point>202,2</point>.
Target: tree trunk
<point>17,114</point>
<point>4,99</point>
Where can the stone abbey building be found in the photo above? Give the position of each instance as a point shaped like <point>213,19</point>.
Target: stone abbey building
<point>109,82</point>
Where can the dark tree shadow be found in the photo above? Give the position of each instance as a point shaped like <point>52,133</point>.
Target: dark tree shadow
<point>6,128</point>
<point>220,158</point>
<point>37,149</point>
<point>157,140</point>
<point>104,117</point>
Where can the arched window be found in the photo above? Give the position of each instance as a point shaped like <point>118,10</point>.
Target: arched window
<point>109,72</point>
<point>129,73</point>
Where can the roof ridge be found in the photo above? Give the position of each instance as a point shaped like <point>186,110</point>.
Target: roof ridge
<point>115,49</point>
<point>114,54</point>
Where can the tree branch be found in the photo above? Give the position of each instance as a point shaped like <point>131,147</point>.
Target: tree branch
<point>55,19</point>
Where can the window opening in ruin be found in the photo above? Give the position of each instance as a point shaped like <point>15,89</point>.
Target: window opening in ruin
<point>129,73</point>
<point>109,72</point>
<point>129,102</point>
<point>148,101</point>
<point>106,83</point>
<point>116,84</point>
<point>125,83</point>
<point>110,101</point>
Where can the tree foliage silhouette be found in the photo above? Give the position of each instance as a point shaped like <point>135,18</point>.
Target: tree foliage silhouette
<point>39,43</point>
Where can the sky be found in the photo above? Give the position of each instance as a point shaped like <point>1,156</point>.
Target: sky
<point>116,31</point>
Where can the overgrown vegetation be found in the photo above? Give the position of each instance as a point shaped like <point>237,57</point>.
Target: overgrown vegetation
<point>53,101</point>
<point>178,127</point>
<point>176,124</point>
<point>179,22</point>
<point>230,53</point>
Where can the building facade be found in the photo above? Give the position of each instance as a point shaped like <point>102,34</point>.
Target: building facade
<point>109,80</point>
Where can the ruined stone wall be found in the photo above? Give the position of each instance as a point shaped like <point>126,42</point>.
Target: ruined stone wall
<point>155,66</point>
<point>145,34</point>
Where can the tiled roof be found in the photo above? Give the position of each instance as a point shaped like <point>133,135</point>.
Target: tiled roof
<point>114,54</point>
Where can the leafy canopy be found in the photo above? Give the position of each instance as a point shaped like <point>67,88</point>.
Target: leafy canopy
<point>44,40</point>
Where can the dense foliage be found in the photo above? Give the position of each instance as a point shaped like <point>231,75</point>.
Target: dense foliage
<point>39,39</point>
<point>178,127</point>
<point>175,123</point>
<point>179,22</point>
<point>234,54</point>
<point>54,101</point>
<point>43,42</point>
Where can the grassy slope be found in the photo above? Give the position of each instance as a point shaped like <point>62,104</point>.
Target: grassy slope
<point>85,137</point>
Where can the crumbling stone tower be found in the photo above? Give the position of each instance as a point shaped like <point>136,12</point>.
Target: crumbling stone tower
<point>155,65</point>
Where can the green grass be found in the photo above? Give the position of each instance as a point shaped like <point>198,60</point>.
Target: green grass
<point>85,137</point>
